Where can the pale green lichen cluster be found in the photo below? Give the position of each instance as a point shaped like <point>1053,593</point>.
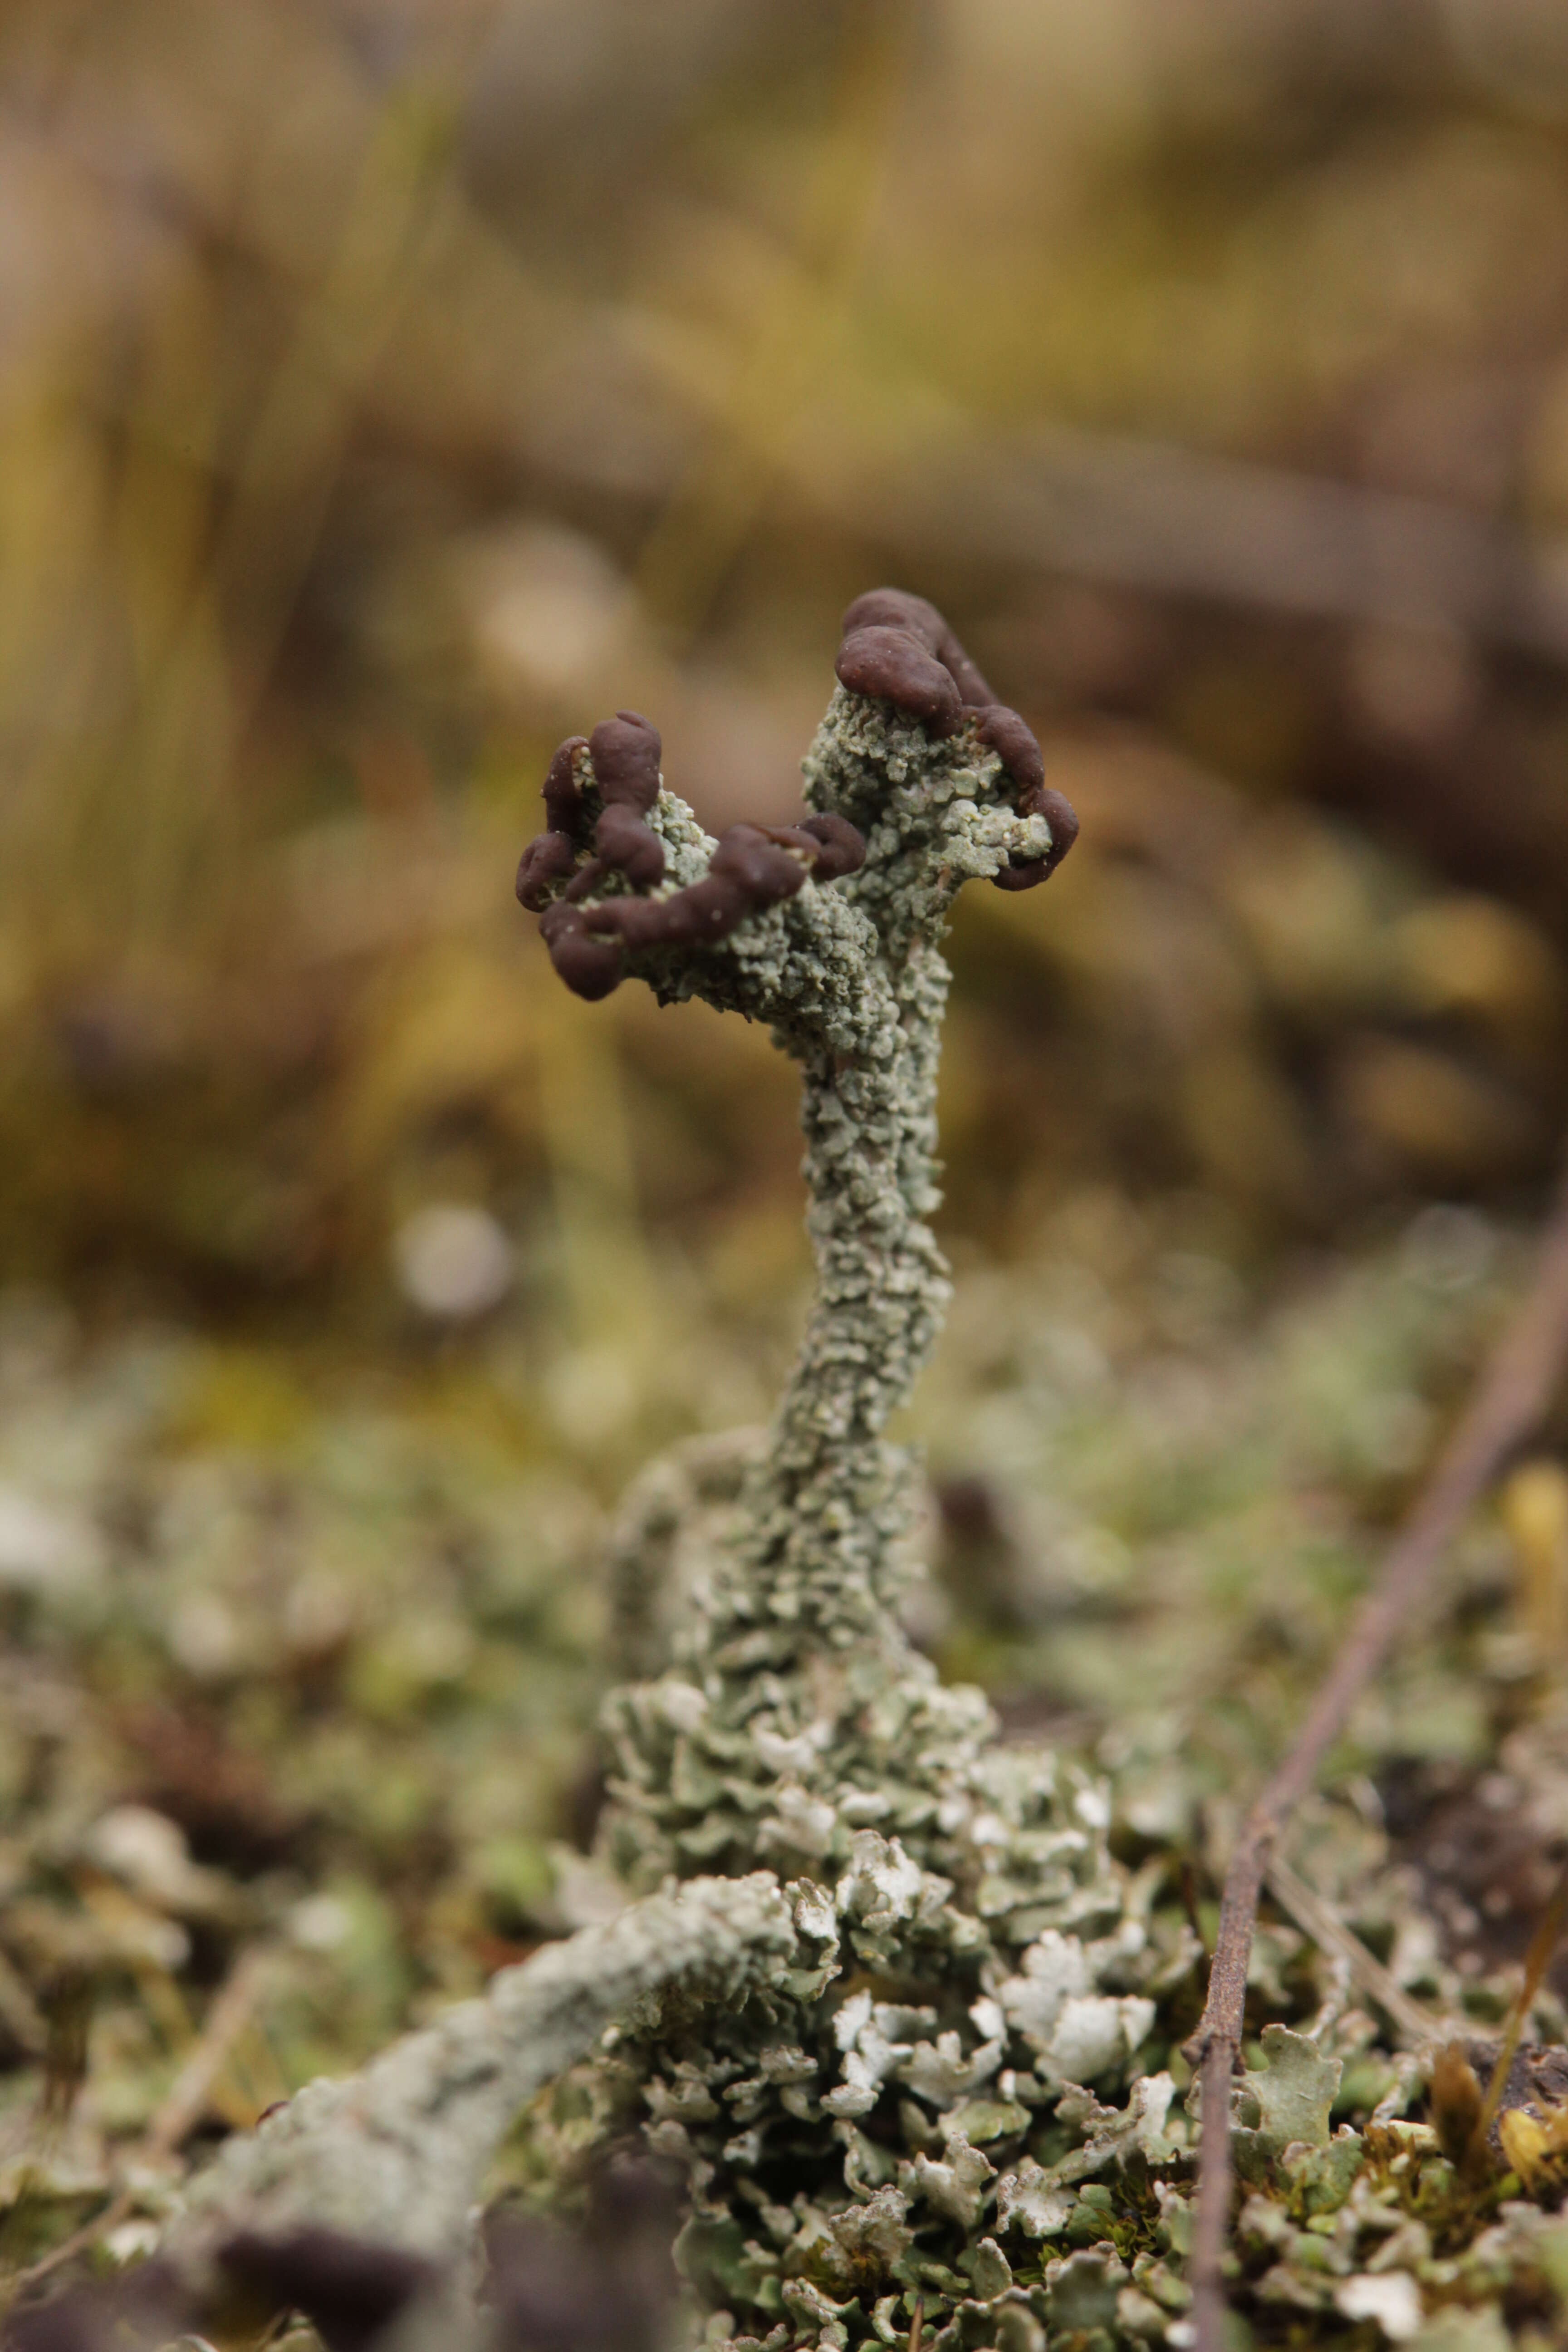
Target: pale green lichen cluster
<point>912,2112</point>
<point>398,2151</point>
<point>932,2106</point>
<point>896,2070</point>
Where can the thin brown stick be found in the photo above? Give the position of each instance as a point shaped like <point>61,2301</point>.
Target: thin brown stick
<point>1509,1398</point>
<point>1413,2026</point>
<point>182,2105</point>
<point>177,2114</point>
<point>20,2013</point>
<point>1537,1959</point>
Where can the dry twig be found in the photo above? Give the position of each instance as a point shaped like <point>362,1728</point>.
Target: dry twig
<point>185,2100</point>
<point>1510,1399</point>
<point>1318,1919</point>
<point>20,2013</point>
<point>1537,1959</point>
<point>177,2115</point>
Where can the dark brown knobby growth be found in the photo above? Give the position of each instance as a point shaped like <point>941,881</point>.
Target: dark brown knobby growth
<point>899,648</point>
<point>896,648</point>
<point>754,867</point>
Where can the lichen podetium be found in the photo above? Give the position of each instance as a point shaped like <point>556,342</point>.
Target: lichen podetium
<point>882,1991</point>
<point>973,1966</point>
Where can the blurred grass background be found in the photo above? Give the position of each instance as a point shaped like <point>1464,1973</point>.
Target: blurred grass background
<point>388,388</point>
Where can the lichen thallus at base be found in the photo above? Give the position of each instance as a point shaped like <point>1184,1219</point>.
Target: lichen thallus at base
<point>857,2135</point>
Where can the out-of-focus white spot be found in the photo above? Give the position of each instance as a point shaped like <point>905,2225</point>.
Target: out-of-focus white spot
<point>145,1849</point>
<point>453,1262</point>
<point>160,1943</point>
<point>549,610</point>
<point>1393,2300</point>
<point>320,1924</point>
<point>44,1550</point>
<point>1449,1247</point>
<point>132,2240</point>
<point>204,1637</point>
<point>1092,1805</point>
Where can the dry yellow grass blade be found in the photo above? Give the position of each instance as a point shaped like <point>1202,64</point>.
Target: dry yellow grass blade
<point>705,522</point>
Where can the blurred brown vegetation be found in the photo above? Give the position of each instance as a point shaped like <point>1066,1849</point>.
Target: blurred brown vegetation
<point>386,388</point>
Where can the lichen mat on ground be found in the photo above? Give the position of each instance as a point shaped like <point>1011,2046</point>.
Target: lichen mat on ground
<point>882,1992</point>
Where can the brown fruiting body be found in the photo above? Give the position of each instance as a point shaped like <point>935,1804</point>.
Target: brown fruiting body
<point>899,648</point>
<point>550,855</point>
<point>896,648</point>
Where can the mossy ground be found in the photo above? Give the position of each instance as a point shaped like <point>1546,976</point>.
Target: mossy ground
<point>310,1664</point>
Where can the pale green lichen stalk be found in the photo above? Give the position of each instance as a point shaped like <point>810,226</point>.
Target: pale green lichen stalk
<point>800,1713</point>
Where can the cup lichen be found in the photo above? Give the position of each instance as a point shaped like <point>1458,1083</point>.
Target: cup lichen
<point>882,1992</point>
<point>973,1974</point>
